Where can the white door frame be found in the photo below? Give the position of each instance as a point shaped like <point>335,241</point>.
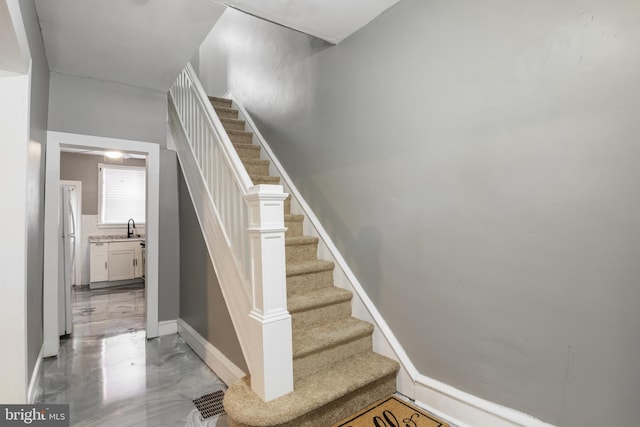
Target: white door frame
<point>78,227</point>
<point>52,184</point>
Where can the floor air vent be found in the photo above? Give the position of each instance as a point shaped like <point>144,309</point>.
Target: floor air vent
<point>210,405</point>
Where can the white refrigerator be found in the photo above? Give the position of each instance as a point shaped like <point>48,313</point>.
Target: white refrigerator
<point>67,256</point>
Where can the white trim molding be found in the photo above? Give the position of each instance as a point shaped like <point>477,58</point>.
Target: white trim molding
<point>466,410</point>
<point>167,327</point>
<point>224,368</point>
<point>35,387</point>
<point>461,408</point>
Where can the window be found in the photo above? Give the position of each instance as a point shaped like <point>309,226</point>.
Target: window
<point>121,194</point>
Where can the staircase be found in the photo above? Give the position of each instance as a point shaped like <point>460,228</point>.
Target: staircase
<point>335,370</point>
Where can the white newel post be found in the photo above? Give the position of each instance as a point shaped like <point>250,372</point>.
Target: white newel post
<point>271,354</point>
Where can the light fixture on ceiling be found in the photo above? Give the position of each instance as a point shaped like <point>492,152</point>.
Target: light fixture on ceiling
<point>113,154</point>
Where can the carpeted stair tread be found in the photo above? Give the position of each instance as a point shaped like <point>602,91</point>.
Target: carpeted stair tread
<point>287,205</point>
<point>239,132</point>
<point>256,162</point>
<point>227,113</point>
<point>256,166</point>
<point>240,136</point>
<point>300,240</point>
<point>294,224</point>
<point>223,102</point>
<point>317,298</point>
<point>300,248</point>
<point>306,267</point>
<point>265,179</point>
<point>242,146</point>
<point>329,335</point>
<point>311,393</point>
<point>235,124</point>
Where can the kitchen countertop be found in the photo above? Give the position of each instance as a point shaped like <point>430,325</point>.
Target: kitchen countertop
<point>114,238</point>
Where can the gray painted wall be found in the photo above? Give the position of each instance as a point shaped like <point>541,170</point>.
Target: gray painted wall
<point>476,164</point>
<point>169,249</point>
<point>202,305</point>
<point>84,167</point>
<point>35,191</point>
<point>94,107</point>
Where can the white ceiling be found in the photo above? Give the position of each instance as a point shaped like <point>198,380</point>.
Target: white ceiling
<point>145,43</point>
<point>142,43</point>
<point>330,20</point>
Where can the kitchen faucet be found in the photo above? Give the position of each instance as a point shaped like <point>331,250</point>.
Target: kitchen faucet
<point>130,228</point>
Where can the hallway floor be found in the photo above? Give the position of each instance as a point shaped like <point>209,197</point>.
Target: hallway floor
<point>112,376</point>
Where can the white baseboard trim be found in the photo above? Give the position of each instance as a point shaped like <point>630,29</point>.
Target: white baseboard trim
<point>466,410</point>
<point>33,390</point>
<point>228,372</point>
<point>167,327</point>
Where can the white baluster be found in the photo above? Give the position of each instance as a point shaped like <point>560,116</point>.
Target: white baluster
<point>251,217</point>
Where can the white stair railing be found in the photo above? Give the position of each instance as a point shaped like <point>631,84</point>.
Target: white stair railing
<point>243,227</point>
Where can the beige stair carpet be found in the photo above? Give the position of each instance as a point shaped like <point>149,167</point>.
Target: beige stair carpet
<point>336,373</point>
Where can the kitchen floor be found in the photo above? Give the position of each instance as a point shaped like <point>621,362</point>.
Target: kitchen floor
<point>111,375</point>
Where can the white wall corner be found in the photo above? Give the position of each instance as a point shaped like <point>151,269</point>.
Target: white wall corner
<point>167,327</point>
<point>35,385</point>
<point>224,368</point>
<point>171,143</point>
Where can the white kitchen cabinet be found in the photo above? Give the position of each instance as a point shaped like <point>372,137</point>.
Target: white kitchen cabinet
<point>99,262</point>
<point>121,260</point>
<point>116,260</point>
<point>139,267</point>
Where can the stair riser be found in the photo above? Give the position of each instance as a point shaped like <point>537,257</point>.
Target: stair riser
<point>232,125</point>
<point>287,205</point>
<point>309,282</point>
<point>316,362</point>
<point>266,180</point>
<point>294,228</point>
<point>240,138</point>
<point>257,169</point>
<point>227,114</point>
<point>223,104</point>
<point>296,253</point>
<point>244,153</point>
<point>318,316</point>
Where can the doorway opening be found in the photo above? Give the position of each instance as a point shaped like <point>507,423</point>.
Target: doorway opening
<point>102,275</point>
<point>144,261</point>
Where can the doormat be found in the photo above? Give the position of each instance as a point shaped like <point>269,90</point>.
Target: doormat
<point>391,412</point>
<point>210,405</point>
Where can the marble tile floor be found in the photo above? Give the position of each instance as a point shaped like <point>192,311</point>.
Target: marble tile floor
<point>111,375</point>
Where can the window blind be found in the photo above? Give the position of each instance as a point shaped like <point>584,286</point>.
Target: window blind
<point>123,194</point>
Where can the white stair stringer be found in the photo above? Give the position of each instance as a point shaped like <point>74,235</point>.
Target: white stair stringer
<point>231,283</point>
